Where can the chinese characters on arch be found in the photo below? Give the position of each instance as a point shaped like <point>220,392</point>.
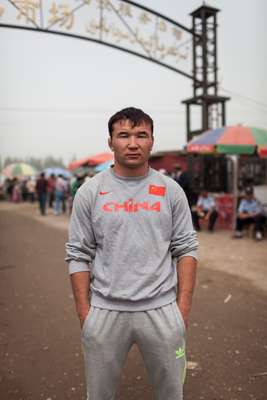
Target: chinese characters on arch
<point>110,21</point>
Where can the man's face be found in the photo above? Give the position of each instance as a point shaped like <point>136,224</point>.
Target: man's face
<point>131,145</point>
<point>249,196</point>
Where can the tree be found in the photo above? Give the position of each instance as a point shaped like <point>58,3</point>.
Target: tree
<point>50,161</point>
<point>38,163</point>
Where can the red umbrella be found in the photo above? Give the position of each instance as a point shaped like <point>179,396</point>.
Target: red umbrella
<point>91,160</point>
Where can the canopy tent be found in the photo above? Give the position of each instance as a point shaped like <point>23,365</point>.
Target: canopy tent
<point>103,166</point>
<point>19,170</point>
<point>82,171</point>
<point>91,160</point>
<point>57,171</point>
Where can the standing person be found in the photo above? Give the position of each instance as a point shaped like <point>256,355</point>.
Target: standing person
<point>24,190</point>
<point>41,190</point>
<point>31,189</point>
<point>74,186</point>
<point>16,192</point>
<point>205,209</point>
<point>9,184</point>
<point>60,190</point>
<point>185,180</point>
<point>51,190</point>
<point>132,245</point>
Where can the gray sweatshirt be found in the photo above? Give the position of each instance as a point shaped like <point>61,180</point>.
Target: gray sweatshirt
<point>129,233</point>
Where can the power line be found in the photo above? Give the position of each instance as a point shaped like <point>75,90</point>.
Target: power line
<point>256,102</point>
<point>90,110</point>
<point>78,110</point>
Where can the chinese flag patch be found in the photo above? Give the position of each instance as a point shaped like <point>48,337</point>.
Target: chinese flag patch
<point>157,190</point>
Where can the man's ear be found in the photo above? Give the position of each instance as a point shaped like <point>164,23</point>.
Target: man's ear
<point>152,144</point>
<point>110,143</point>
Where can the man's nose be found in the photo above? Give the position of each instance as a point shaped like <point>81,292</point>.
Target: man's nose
<point>132,141</point>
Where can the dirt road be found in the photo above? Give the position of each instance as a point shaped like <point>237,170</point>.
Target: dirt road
<point>40,354</point>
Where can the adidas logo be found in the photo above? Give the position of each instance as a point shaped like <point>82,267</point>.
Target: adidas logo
<point>180,352</point>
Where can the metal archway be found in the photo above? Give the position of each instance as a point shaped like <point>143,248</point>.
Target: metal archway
<point>137,30</point>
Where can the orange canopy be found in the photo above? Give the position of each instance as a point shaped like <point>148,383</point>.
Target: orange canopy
<point>91,160</point>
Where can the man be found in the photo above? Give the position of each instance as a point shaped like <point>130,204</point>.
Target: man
<point>41,190</point>
<point>31,189</point>
<point>250,212</point>
<point>185,180</point>
<point>60,192</point>
<point>130,238</point>
<point>75,183</point>
<point>205,209</point>
<point>51,183</point>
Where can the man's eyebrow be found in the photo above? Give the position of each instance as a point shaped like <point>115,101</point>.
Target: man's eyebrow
<point>133,133</point>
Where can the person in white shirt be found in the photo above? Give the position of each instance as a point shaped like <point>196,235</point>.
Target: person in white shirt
<point>205,209</point>
<point>250,212</point>
<point>60,191</point>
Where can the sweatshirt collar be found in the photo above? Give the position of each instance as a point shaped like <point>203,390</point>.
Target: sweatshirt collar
<point>130,178</point>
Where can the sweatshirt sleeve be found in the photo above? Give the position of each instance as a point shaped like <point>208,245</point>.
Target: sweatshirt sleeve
<point>184,239</point>
<point>81,246</point>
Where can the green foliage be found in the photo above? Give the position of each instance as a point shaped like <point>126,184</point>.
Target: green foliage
<point>38,163</point>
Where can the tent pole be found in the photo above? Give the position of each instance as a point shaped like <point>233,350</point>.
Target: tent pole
<point>234,159</point>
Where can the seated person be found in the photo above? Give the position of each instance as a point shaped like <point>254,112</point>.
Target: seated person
<point>205,209</point>
<point>249,212</point>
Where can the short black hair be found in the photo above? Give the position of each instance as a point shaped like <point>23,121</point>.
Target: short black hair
<point>249,191</point>
<point>135,115</point>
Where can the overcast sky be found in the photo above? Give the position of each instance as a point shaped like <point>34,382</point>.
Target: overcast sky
<point>57,93</point>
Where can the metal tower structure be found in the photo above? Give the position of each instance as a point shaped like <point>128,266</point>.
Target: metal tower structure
<point>205,79</point>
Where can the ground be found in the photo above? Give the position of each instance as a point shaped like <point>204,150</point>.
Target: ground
<point>40,353</point>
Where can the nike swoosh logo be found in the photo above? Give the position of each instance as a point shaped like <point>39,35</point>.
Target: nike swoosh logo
<point>102,193</point>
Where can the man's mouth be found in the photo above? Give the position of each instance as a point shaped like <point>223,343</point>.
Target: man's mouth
<point>133,155</point>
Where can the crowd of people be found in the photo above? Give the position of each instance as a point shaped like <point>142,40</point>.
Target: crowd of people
<point>54,192</point>
<point>57,193</point>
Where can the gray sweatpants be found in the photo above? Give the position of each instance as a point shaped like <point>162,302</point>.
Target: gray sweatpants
<point>107,337</point>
